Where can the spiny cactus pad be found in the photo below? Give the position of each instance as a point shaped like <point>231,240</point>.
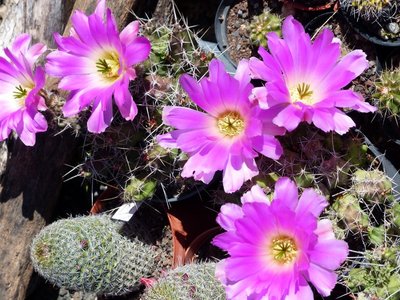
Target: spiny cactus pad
<point>193,281</point>
<point>88,254</point>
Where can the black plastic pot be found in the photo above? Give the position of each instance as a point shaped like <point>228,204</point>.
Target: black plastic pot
<point>363,31</point>
<point>318,21</point>
<point>324,5</point>
<point>220,28</point>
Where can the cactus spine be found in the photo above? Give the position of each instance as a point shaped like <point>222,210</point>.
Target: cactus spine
<point>88,254</point>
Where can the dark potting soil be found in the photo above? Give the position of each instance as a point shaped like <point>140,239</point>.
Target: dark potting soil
<point>238,24</point>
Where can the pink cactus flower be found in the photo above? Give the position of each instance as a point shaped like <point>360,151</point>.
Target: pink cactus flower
<point>96,63</point>
<point>305,80</point>
<point>278,247</point>
<point>20,86</point>
<point>228,135</point>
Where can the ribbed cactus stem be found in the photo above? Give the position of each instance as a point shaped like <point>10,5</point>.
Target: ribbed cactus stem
<point>89,254</point>
<point>193,281</point>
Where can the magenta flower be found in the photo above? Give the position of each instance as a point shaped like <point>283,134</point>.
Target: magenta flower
<point>277,247</point>
<point>96,63</point>
<point>228,135</point>
<point>20,86</point>
<point>305,80</point>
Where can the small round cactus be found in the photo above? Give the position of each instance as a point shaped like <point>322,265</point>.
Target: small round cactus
<point>261,25</point>
<point>193,281</point>
<point>388,92</point>
<point>372,186</point>
<point>139,189</point>
<point>349,215</point>
<point>89,254</point>
<point>369,10</point>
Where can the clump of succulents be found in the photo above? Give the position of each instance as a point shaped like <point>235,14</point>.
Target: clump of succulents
<point>89,254</point>
<point>317,159</point>
<point>388,92</point>
<point>376,276</point>
<point>262,24</point>
<point>129,150</point>
<point>193,281</point>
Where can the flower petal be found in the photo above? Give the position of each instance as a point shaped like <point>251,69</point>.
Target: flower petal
<point>287,193</point>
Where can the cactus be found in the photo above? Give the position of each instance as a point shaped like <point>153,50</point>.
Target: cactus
<point>262,24</point>
<point>372,186</point>
<point>388,92</point>
<point>376,277</point>
<point>370,10</point>
<point>139,189</point>
<point>349,214</point>
<point>194,281</point>
<point>89,254</point>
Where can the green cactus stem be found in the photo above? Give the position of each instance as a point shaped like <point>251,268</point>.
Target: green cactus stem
<point>89,254</point>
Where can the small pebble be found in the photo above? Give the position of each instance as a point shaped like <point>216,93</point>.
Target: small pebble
<point>393,28</point>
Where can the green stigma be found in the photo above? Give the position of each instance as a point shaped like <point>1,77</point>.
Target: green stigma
<point>302,93</point>
<point>20,93</point>
<point>108,66</point>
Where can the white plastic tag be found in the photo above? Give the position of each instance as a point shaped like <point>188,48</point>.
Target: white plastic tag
<point>126,211</point>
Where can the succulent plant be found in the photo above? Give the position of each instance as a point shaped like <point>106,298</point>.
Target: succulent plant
<point>376,276</point>
<point>372,186</point>
<point>193,281</point>
<point>349,214</point>
<point>388,92</point>
<point>262,24</point>
<point>89,254</point>
<point>139,189</point>
<point>370,10</point>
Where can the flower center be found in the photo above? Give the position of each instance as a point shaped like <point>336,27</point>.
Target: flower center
<point>19,95</point>
<point>302,93</point>
<point>230,124</point>
<point>108,66</point>
<point>283,249</point>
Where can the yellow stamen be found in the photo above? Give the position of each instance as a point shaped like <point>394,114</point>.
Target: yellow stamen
<point>230,124</point>
<point>283,249</point>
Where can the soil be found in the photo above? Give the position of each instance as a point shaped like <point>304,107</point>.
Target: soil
<point>238,22</point>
